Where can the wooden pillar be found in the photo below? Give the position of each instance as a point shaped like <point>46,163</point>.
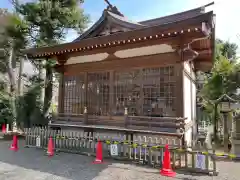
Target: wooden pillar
<point>179,89</point>
<point>179,101</point>
<point>61,92</point>
<point>141,100</point>
<point>111,93</point>
<point>86,98</point>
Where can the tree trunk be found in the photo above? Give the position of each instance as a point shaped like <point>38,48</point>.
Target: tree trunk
<point>48,91</point>
<point>42,77</point>
<point>20,85</point>
<point>215,121</point>
<point>12,79</point>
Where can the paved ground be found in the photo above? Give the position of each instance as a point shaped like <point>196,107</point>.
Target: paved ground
<point>31,164</point>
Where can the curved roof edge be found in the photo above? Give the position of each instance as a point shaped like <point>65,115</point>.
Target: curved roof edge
<point>113,17</point>
<point>176,17</point>
<point>92,28</point>
<point>116,17</point>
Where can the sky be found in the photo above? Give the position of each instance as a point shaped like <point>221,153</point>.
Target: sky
<point>227,13</point>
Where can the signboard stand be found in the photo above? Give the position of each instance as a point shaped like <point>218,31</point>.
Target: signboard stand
<point>38,142</point>
<point>114,150</point>
<point>200,161</point>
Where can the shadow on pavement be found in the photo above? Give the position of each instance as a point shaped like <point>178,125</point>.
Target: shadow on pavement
<point>32,164</point>
<point>65,165</point>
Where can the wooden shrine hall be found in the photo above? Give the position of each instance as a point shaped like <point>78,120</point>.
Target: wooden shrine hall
<point>134,75</point>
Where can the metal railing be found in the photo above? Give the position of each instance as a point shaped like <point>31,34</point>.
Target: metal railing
<point>142,149</point>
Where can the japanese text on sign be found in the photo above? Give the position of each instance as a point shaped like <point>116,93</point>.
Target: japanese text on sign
<point>114,149</point>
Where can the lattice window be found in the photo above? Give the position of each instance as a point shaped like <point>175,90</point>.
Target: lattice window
<point>98,93</point>
<point>158,88</point>
<point>74,98</point>
<point>127,87</point>
<point>148,92</point>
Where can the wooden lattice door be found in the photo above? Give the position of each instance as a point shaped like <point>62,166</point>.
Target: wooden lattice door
<point>98,93</point>
<point>127,90</point>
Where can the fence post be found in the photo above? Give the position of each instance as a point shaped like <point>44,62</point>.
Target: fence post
<point>85,116</point>
<point>186,155</point>
<point>213,158</point>
<point>126,117</point>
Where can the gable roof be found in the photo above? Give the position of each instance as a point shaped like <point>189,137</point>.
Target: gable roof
<point>175,17</point>
<point>112,16</point>
<point>137,35</point>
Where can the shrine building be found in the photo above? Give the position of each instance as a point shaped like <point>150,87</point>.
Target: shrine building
<point>134,76</point>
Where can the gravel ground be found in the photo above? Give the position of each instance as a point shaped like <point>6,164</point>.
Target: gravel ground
<point>31,164</point>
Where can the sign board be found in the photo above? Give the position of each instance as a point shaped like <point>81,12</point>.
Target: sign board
<point>235,106</point>
<point>200,161</point>
<point>113,149</point>
<point>38,142</point>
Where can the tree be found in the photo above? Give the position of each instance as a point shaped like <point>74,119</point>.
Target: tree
<point>227,49</point>
<point>49,22</point>
<point>13,38</point>
<point>223,79</point>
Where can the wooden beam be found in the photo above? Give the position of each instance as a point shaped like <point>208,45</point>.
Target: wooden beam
<point>173,41</point>
<point>157,60</point>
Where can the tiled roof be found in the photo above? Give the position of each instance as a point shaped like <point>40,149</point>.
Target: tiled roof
<point>174,17</point>
<point>114,17</point>
<point>118,18</point>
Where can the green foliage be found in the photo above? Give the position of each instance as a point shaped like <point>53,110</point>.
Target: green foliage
<point>49,21</point>
<point>13,36</point>
<point>40,23</point>
<point>17,30</point>
<point>223,79</point>
<point>29,107</point>
<point>5,108</point>
<point>224,76</point>
<point>227,49</point>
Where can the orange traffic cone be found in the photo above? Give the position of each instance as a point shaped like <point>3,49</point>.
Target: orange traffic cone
<point>99,156</point>
<point>14,146</point>
<point>3,128</point>
<point>167,169</point>
<point>50,151</point>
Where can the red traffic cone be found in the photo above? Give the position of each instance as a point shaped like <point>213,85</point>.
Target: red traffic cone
<point>50,151</point>
<point>167,169</point>
<point>99,156</point>
<point>3,128</point>
<point>14,146</point>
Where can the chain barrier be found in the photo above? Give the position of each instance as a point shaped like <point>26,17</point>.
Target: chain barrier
<point>133,144</point>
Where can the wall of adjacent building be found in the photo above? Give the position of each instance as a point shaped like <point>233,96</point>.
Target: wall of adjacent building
<point>189,97</point>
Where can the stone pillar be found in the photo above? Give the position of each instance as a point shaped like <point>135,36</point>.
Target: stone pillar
<point>235,135</point>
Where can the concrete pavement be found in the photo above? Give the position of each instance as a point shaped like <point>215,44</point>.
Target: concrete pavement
<point>32,164</point>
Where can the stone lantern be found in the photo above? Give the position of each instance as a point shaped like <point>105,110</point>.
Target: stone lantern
<point>235,135</point>
<point>226,105</point>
